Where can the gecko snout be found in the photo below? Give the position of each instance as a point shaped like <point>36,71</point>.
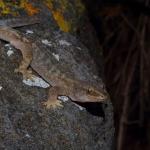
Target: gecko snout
<point>97,95</point>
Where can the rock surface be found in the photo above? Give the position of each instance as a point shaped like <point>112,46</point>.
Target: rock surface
<point>25,124</point>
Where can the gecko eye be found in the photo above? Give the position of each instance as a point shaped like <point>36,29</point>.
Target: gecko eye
<point>91,91</point>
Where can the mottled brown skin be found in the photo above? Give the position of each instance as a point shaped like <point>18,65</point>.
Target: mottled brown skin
<point>19,43</point>
<point>77,90</point>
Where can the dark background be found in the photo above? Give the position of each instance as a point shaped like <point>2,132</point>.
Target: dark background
<point>122,27</point>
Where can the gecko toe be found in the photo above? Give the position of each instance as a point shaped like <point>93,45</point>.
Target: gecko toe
<point>52,104</point>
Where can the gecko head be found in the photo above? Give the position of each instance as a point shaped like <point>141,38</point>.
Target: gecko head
<point>96,94</point>
<point>91,94</point>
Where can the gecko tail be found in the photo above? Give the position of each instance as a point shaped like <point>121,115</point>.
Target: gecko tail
<point>20,21</point>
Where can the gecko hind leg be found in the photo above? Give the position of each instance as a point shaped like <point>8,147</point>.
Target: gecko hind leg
<point>52,101</point>
<point>23,69</point>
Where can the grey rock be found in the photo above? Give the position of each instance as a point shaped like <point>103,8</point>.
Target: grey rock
<point>26,125</point>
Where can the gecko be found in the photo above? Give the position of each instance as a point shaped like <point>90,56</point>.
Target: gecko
<point>61,85</point>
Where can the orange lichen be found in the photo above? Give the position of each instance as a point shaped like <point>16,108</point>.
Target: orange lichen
<point>29,7</point>
<point>13,7</point>
<point>63,24</point>
<point>49,4</point>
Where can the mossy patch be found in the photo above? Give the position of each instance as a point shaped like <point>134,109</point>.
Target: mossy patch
<point>14,7</point>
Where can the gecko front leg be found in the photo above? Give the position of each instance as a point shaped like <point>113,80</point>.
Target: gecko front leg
<point>52,101</point>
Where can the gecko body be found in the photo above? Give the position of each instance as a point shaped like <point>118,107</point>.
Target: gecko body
<point>61,84</point>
